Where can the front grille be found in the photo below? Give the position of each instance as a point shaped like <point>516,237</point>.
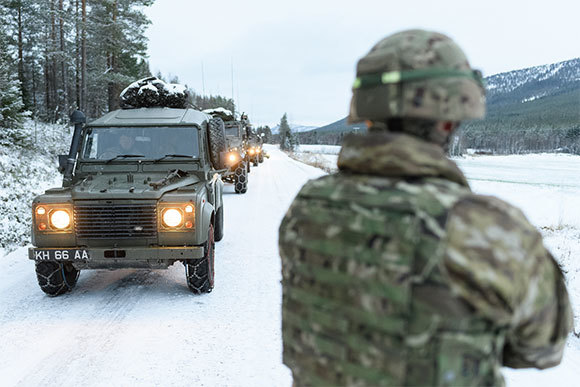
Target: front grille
<point>115,221</point>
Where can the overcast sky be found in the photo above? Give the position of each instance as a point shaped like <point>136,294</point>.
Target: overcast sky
<point>299,56</point>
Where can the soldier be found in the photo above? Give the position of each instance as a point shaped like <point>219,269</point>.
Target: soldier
<point>394,272</point>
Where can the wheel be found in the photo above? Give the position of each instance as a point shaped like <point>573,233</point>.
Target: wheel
<point>56,278</point>
<point>219,224</point>
<point>255,160</point>
<point>261,158</point>
<point>199,273</point>
<point>241,178</point>
<point>216,134</point>
<point>248,163</point>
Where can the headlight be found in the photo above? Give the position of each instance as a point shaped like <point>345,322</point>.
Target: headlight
<point>252,151</point>
<point>60,219</point>
<point>172,217</point>
<point>176,217</point>
<point>51,218</point>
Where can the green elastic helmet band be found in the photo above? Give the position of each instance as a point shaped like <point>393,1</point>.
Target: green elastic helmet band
<point>392,77</point>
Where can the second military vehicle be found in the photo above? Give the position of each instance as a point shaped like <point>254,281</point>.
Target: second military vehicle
<point>236,159</point>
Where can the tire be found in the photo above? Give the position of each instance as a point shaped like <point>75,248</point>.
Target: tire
<point>216,134</point>
<point>241,178</point>
<point>255,160</point>
<point>248,163</point>
<point>219,224</point>
<point>56,278</point>
<point>199,273</point>
<point>261,158</point>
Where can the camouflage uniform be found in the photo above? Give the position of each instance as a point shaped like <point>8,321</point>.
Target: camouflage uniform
<point>395,273</point>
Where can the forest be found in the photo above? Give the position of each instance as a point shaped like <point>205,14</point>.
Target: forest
<point>60,55</point>
<point>65,54</point>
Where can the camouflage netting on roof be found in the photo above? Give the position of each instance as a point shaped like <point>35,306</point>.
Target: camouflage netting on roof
<point>153,92</point>
<point>222,113</point>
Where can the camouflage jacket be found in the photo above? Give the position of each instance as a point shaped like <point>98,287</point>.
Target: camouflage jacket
<point>395,273</point>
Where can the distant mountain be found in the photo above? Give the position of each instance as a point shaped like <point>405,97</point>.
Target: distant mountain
<point>341,126</point>
<point>530,110</point>
<point>295,128</point>
<point>530,84</point>
<point>544,100</point>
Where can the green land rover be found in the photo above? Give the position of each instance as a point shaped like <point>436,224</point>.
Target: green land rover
<point>140,190</point>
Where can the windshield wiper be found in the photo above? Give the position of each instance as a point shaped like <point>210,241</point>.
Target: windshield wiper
<point>172,155</point>
<point>122,157</point>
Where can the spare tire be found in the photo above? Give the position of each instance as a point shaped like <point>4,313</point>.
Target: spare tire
<point>216,133</point>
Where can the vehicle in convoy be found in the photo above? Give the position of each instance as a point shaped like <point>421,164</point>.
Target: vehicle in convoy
<point>236,159</point>
<point>254,147</point>
<point>140,190</point>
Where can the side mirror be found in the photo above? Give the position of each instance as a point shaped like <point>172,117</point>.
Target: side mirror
<point>62,161</point>
<point>78,117</point>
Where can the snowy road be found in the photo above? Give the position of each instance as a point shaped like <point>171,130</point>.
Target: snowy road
<point>145,327</point>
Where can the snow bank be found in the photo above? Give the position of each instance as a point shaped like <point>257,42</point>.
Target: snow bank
<point>322,149</point>
<point>27,172</point>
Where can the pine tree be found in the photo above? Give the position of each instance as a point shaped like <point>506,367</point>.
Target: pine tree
<point>11,105</point>
<point>266,132</point>
<point>288,141</point>
<point>70,54</point>
<point>212,101</point>
<point>119,26</point>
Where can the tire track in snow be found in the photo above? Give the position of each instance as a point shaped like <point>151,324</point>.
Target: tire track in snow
<point>88,343</point>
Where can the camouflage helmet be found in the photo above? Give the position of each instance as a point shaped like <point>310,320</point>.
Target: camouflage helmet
<point>419,74</point>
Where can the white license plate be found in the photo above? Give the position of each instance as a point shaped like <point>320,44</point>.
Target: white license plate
<point>61,255</point>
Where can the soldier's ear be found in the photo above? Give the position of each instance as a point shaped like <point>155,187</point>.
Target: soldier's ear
<point>448,126</point>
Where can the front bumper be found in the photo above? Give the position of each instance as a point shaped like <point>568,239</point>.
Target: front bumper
<point>117,258</point>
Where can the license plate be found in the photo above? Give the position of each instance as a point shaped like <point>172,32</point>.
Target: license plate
<point>61,255</point>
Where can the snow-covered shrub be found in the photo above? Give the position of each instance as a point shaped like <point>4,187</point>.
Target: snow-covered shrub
<point>24,173</point>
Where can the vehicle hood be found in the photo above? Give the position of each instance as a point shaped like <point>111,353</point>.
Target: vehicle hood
<point>121,187</point>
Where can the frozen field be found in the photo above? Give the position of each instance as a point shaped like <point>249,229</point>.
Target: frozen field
<point>144,327</point>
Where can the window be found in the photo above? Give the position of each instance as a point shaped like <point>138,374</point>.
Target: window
<point>150,143</point>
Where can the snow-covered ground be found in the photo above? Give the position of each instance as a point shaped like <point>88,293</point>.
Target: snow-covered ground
<point>144,326</point>
<point>319,149</point>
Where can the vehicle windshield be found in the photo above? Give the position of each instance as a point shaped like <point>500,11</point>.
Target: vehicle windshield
<point>232,130</point>
<point>140,142</point>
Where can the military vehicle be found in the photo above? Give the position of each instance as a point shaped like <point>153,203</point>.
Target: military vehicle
<point>254,147</point>
<point>140,190</point>
<point>236,158</point>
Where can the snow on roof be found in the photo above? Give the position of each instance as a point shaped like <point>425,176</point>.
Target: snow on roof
<point>148,86</point>
<point>219,110</point>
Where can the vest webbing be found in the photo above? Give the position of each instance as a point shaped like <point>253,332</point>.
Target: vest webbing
<point>365,301</point>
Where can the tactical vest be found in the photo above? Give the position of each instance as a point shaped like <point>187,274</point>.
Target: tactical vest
<point>366,300</point>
